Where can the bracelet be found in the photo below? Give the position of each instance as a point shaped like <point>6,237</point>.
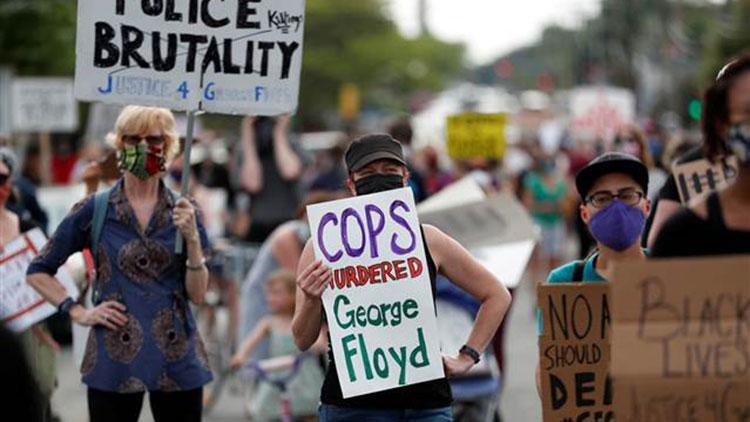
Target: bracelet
<point>470,352</point>
<point>65,305</point>
<point>196,267</point>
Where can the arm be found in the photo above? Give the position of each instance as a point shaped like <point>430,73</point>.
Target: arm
<point>250,342</point>
<point>286,249</point>
<point>312,278</point>
<point>186,220</point>
<point>287,161</point>
<point>665,208</point>
<point>456,263</point>
<point>251,173</point>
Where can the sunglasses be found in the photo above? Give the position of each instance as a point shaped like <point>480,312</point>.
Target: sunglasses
<point>4,178</point>
<point>136,139</point>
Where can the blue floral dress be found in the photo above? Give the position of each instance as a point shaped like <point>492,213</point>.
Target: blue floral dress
<point>159,349</point>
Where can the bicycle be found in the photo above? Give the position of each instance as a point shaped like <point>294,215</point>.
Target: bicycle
<point>262,370</point>
<point>213,316</point>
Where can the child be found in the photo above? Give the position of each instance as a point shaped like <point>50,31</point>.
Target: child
<point>304,387</point>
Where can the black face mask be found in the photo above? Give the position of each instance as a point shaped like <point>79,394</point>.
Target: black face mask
<point>378,183</point>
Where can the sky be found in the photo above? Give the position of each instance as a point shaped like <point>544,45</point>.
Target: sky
<point>490,28</point>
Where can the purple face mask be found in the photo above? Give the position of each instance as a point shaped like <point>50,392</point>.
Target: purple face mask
<point>617,226</point>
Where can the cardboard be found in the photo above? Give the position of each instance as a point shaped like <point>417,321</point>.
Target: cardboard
<point>20,305</point>
<point>681,339</point>
<point>43,105</point>
<point>495,220</point>
<point>476,135</point>
<point>574,352</point>
<point>231,56</point>
<point>373,244</point>
<point>697,179</point>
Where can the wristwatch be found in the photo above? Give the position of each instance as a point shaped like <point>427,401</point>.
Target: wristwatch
<point>470,352</point>
<point>65,305</point>
<point>197,267</point>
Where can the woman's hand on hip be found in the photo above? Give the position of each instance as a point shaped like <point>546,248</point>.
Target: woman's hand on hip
<point>184,218</point>
<point>109,314</point>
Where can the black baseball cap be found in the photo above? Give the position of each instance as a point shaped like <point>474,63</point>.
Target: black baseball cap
<point>368,148</point>
<point>608,163</point>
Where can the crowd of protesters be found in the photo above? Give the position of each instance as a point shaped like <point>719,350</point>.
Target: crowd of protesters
<point>600,201</point>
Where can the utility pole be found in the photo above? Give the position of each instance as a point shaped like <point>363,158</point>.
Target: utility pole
<point>423,30</point>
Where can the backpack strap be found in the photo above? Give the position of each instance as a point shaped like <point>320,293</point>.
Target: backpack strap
<point>101,202</point>
<point>578,268</point>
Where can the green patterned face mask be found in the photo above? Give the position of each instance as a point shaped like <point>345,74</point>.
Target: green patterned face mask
<point>143,161</point>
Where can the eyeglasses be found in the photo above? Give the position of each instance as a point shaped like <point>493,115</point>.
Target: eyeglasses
<point>630,197</point>
<point>4,178</point>
<point>136,139</point>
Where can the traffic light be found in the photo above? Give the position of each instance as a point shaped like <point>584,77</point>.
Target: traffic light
<point>694,109</point>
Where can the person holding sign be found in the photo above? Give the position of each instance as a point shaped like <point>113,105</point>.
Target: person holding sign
<point>613,189</point>
<point>720,224</point>
<point>375,163</point>
<point>144,336</point>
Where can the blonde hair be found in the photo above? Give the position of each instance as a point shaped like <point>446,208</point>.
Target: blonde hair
<point>283,278</point>
<point>135,119</point>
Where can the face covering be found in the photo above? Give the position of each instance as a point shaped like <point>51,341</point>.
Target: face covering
<point>378,183</point>
<point>739,142</point>
<point>143,161</point>
<point>617,226</point>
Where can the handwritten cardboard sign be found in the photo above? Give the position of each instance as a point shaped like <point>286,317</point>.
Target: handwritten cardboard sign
<point>379,304</point>
<point>697,179</point>
<point>20,305</point>
<point>681,340</point>
<point>574,352</point>
<point>476,135</point>
<point>43,105</point>
<point>230,56</point>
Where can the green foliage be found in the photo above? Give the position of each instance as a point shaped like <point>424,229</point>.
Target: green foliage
<point>355,42</point>
<point>37,37</point>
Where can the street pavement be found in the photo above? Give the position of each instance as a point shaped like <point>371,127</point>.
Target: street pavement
<point>518,402</point>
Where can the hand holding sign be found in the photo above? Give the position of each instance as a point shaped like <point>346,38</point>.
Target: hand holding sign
<point>314,279</point>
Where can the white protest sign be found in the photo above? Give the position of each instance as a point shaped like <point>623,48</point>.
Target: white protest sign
<point>379,304</point>
<point>494,220</point>
<point>57,201</point>
<point>230,56</point>
<point>598,112</point>
<point>20,305</point>
<point>43,105</point>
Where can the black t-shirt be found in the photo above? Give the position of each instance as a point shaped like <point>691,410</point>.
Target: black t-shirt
<point>686,234</point>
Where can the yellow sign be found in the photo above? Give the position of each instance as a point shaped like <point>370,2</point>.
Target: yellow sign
<point>349,102</point>
<point>473,135</point>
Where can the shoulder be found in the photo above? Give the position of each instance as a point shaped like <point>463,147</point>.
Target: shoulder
<point>84,207</point>
<point>562,274</point>
<point>677,232</point>
<point>436,239</point>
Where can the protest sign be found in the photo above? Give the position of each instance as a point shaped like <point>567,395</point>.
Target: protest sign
<point>20,305</point>
<point>681,339</point>
<point>379,303</point>
<point>476,135</point>
<point>43,105</point>
<point>574,352</point>
<point>495,220</point>
<point>232,56</point>
<point>598,112</point>
<point>697,179</point>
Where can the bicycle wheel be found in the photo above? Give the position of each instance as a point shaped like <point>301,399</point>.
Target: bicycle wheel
<point>212,324</point>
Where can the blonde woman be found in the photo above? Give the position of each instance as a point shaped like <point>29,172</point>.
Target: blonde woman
<point>144,336</point>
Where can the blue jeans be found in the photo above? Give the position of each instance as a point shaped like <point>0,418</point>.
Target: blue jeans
<point>330,413</point>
